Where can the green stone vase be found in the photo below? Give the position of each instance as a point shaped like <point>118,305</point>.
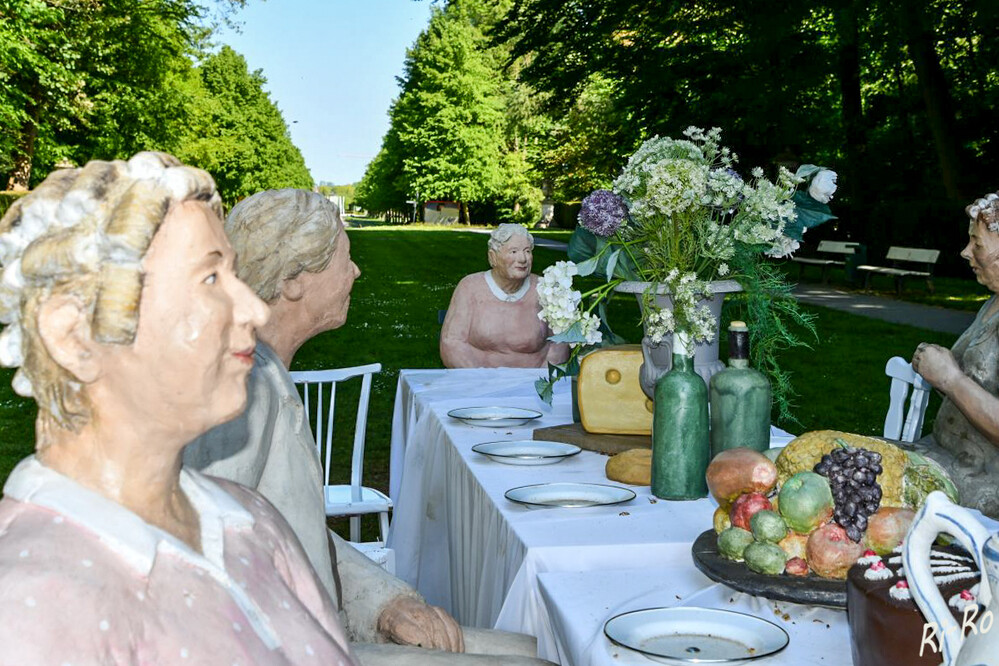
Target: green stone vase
<point>681,447</point>
<point>740,399</point>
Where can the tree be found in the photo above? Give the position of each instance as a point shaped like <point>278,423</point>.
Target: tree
<point>233,130</point>
<point>454,131</point>
<point>84,79</point>
<point>899,95</point>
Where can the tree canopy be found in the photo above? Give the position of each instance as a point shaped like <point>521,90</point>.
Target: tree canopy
<point>103,79</point>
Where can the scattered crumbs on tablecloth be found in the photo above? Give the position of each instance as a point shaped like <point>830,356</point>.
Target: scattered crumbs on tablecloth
<point>652,500</point>
<point>817,621</point>
<point>827,626</point>
<point>731,600</point>
<point>624,513</point>
<point>677,596</point>
<point>786,617</point>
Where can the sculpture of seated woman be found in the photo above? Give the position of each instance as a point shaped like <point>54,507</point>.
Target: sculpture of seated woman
<point>965,437</point>
<point>134,335</point>
<point>493,317</point>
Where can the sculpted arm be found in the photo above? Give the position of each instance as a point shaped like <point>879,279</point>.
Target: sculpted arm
<point>379,607</point>
<point>938,366</point>
<point>456,352</point>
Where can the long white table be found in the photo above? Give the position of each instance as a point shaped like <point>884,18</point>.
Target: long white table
<point>579,603</point>
<point>470,550</point>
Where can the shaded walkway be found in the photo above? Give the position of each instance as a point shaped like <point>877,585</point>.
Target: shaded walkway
<point>929,317</point>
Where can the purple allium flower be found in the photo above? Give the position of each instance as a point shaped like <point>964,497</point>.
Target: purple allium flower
<point>603,212</point>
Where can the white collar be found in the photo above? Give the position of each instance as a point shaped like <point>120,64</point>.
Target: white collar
<point>502,295</point>
<point>122,531</point>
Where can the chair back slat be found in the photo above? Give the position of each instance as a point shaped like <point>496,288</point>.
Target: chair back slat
<point>901,423</point>
<point>325,412</point>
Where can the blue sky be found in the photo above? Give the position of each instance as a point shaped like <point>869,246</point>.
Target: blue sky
<point>331,68</point>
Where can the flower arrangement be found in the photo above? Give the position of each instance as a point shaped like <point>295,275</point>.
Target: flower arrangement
<point>679,217</point>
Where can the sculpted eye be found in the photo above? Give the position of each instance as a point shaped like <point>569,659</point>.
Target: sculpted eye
<point>211,279</point>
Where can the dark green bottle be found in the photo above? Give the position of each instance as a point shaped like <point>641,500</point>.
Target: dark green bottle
<point>740,399</point>
<point>680,443</point>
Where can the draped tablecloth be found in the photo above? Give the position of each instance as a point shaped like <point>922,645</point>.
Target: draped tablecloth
<point>579,603</point>
<point>465,547</point>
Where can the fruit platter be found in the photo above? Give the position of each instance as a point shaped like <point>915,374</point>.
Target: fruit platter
<point>791,522</point>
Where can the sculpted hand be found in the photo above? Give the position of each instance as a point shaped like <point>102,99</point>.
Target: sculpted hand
<point>407,621</point>
<point>937,365</point>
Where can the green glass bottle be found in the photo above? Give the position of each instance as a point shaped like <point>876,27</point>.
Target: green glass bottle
<point>680,443</point>
<point>740,399</point>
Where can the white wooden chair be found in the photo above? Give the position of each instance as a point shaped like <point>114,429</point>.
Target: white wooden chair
<point>901,424</point>
<point>353,500</point>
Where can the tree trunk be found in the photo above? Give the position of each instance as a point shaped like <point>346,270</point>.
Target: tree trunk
<point>845,17</point>
<point>24,152</point>
<point>463,208</point>
<point>935,91</point>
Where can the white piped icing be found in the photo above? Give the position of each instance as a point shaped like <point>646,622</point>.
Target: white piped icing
<point>868,560</point>
<point>960,604</point>
<point>944,580</point>
<point>899,593</point>
<point>884,573</point>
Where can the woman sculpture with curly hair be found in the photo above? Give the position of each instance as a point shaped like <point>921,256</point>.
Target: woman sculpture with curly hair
<point>965,436</point>
<point>134,335</point>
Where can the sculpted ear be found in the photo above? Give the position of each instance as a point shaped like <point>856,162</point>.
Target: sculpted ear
<point>292,290</point>
<point>492,258</point>
<point>65,332</point>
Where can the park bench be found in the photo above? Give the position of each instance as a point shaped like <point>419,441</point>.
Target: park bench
<point>902,260</point>
<point>831,249</point>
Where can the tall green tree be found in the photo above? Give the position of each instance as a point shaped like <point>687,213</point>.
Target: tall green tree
<point>232,129</point>
<point>81,79</point>
<point>455,132</point>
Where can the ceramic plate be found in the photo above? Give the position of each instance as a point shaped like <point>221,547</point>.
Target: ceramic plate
<point>691,635</point>
<point>527,451</point>
<point>570,495</point>
<point>494,417</point>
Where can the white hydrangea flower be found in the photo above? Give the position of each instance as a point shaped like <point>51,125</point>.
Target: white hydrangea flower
<point>559,301</point>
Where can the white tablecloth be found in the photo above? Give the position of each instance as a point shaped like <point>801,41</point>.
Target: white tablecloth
<point>579,603</point>
<point>467,548</point>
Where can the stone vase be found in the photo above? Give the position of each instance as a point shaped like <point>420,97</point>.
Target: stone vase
<point>659,357</point>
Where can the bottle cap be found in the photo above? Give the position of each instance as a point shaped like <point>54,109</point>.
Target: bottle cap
<point>737,325</point>
<point>738,340</point>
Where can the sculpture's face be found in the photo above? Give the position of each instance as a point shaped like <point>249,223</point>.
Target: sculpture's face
<point>514,259</point>
<point>326,294</point>
<point>193,349</point>
<point>982,252</point>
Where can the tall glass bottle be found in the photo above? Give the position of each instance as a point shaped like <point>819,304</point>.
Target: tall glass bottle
<point>680,444</point>
<point>740,399</point>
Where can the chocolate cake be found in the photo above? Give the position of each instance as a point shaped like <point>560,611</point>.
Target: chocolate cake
<point>886,626</point>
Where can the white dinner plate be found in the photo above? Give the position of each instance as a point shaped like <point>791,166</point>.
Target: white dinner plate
<point>494,417</point>
<point>527,451</point>
<point>570,495</point>
<point>692,635</point>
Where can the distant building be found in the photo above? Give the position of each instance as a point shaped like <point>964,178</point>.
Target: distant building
<point>441,212</point>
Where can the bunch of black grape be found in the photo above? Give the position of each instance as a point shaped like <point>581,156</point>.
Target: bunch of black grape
<point>852,475</point>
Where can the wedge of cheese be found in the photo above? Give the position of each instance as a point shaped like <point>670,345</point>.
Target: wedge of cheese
<point>609,395</point>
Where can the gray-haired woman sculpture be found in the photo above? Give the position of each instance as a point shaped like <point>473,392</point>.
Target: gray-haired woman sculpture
<point>493,317</point>
<point>965,436</point>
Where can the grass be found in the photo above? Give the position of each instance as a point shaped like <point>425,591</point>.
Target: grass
<point>408,274</point>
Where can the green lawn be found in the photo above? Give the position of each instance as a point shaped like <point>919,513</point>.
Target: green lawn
<point>408,274</point>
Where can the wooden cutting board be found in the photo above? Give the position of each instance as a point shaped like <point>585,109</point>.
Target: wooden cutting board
<point>607,444</point>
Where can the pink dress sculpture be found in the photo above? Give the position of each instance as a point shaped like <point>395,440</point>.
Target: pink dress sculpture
<point>134,335</point>
<point>493,317</point>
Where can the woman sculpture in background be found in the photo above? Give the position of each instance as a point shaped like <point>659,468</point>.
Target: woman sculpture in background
<point>493,317</point>
<point>134,335</point>
<point>965,436</point>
